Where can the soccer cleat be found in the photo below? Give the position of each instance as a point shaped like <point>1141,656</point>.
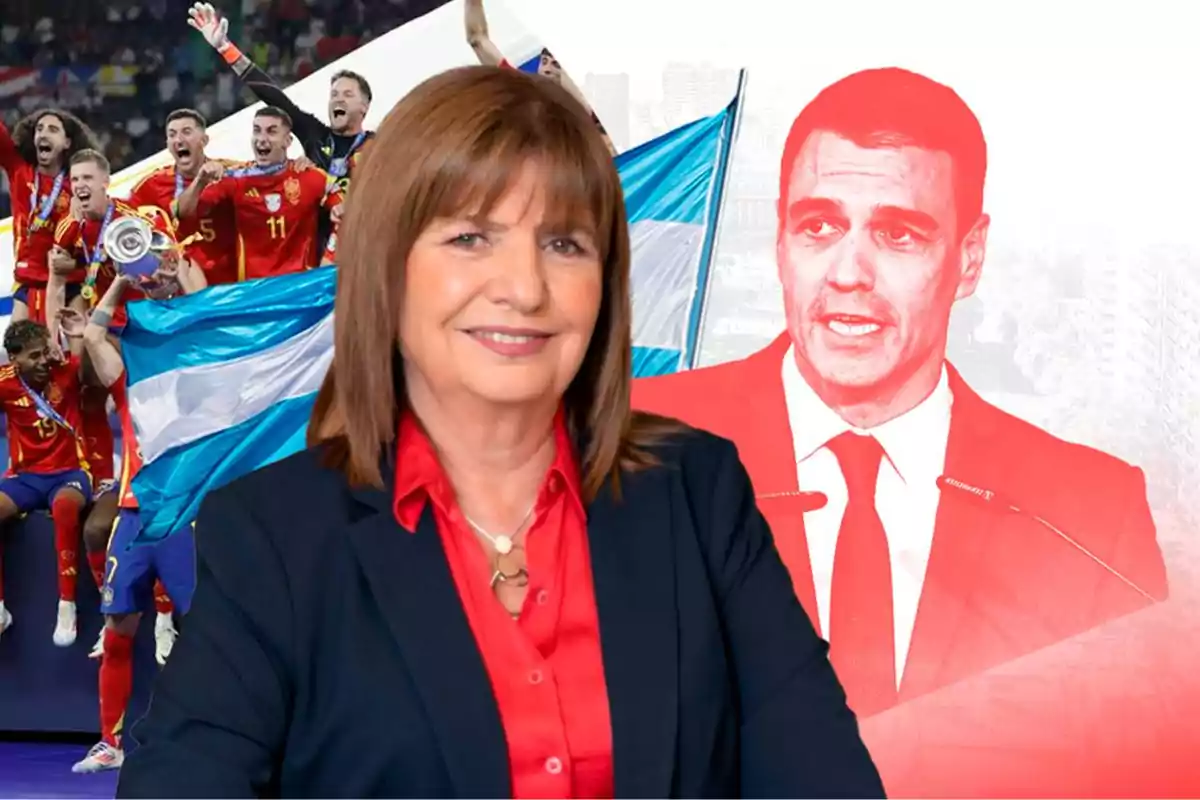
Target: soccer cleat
<point>64,631</point>
<point>102,756</point>
<point>98,647</point>
<point>6,619</point>
<point>164,637</point>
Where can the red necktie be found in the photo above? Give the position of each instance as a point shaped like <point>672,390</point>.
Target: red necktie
<point>861,638</point>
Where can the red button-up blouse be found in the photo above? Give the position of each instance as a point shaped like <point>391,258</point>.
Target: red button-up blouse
<point>546,668</point>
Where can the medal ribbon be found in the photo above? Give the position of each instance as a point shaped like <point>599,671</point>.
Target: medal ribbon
<point>255,170</point>
<point>43,214</point>
<point>44,409</point>
<point>96,256</point>
<point>340,167</point>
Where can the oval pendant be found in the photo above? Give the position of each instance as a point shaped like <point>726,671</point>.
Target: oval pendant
<point>504,545</point>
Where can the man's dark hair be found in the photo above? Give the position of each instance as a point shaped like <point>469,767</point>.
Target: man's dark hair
<point>363,86</point>
<point>91,157</point>
<point>22,334</point>
<point>892,107</point>
<point>275,112</point>
<point>187,113</point>
<point>81,136</point>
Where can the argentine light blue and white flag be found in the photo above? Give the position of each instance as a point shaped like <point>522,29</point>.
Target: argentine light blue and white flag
<point>674,190</point>
<point>223,382</point>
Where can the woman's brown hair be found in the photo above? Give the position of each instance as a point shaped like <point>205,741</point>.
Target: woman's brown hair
<point>454,145</point>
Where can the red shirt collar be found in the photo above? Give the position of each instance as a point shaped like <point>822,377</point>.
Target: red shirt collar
<point>420,477</point>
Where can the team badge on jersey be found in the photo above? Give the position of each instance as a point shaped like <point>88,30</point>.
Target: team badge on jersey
<point>53,395</point>
<point>291,190</point>
<point>273,201</point>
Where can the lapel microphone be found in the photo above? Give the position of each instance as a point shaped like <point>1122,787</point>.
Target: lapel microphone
<point>1000,503</point>
<point>809,501</point>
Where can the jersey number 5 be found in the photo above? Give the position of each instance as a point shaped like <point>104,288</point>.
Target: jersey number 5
<point>208,233</point>
<point>278,226</point>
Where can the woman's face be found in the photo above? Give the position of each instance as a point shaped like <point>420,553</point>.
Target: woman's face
<point>500,308</point>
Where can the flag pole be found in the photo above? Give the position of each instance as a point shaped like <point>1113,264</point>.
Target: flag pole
<point>695,331</point>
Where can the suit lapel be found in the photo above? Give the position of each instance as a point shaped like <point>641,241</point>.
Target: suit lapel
<point>633,569</point>
<point>952,615</point>
<point>411,581</point>
<point>764,444</point>
<point>764,435</point>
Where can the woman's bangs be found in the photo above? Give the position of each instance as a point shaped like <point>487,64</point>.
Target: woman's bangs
<point>578,194</point>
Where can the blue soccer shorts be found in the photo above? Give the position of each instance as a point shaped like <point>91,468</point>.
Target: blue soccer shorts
<point>31,491</point>
<point>130,568</point>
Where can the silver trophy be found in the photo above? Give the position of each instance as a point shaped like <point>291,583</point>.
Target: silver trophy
<point>135,247</point>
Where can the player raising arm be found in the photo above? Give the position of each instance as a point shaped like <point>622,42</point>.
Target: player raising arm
<point>35,157</point>
<point>47,467</point>
<point>489,54</point>
<point>79,242</point>
<point>130,571</point>
<point>213,238</point>
<point>275,203</point>
<point>79,245</point>
<point>336,146</point>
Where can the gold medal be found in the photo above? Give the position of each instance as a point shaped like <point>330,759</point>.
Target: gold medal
<point>88,292</point>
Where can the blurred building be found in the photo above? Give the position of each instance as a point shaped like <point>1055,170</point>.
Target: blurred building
<point>609,96</point>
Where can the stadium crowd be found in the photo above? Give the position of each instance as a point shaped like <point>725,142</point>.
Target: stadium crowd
<point>122,66</point>
<point>204,219</point>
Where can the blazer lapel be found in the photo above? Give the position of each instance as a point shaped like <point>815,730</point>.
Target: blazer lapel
<point>633,571</point>
<point>410,579</point>
<point>764,441</point>
<point>953,615</point>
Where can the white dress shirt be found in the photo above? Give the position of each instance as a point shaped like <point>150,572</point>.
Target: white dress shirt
<point>906,492</point>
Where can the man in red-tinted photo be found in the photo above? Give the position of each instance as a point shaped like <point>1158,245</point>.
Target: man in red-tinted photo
<point>930,535</point>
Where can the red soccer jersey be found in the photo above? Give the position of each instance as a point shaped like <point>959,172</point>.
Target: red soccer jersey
<point>33,195</point>
<point>43,441</point>
<point>82,240</point>
<point>97,434</point>
<point>131,453</point>
<point>215,245</point>
<point>276,217</point>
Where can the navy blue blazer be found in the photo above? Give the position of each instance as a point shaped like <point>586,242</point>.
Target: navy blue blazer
<point>327,653</point>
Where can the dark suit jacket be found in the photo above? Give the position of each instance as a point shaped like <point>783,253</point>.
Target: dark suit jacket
<point>327,654</point>
<point>998,585</point>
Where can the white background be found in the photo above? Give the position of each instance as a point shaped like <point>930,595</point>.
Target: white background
<point>1087,320</point>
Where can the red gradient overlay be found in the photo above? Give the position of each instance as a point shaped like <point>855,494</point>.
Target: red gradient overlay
<point>1052,653</point>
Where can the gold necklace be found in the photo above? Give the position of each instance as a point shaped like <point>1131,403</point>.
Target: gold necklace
<point>504,545</point>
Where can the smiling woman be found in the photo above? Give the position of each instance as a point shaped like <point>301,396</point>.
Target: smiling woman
<point>500,580</point>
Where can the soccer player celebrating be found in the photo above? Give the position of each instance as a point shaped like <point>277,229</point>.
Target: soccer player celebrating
<point>48,469</point>
<point>178,276</point>
<point>214,237</point>
<point>548,67</point>
<point>131,570</point>
<point>79,242</point>
<point>335,147</point>
<point>35,157</point>
<point>275,202</point>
